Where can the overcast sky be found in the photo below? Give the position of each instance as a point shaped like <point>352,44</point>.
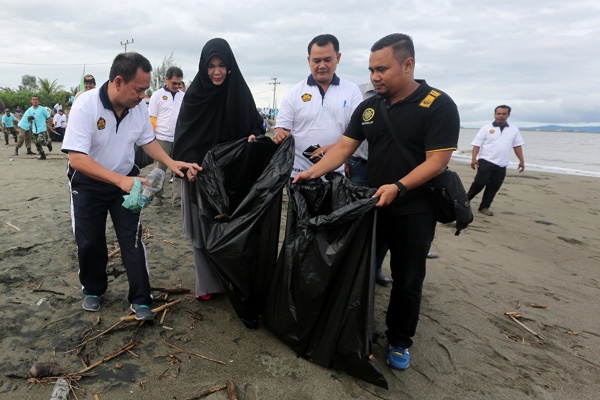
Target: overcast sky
<point>540,57</point>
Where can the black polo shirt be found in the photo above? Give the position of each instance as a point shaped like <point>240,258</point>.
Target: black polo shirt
<point>427,120</point>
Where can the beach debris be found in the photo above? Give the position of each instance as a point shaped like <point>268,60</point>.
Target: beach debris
<point>61,390</point>
<point>231,392</point>
<point>13,226</point>
<point>173,290</point>
<point>194,354</point>
<point>534,305</point>
<point>206,392</point>
<point>41,370</point>
<point>40,301</point>
<point>514,315</point>
<point>572,332</point>
<point>47,291</point>
<point>115,251</point>
<point>154,311</point>
<point>146,234</point>
<point>131,344</point>
<point>518,305</point>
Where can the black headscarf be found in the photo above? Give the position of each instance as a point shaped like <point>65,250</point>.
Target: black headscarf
<point>212,114</point>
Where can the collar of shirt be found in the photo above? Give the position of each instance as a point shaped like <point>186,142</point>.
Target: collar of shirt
<point>172,93</point>
<point>311,81</point>
<point>108,105</point>
<point>495,124</point>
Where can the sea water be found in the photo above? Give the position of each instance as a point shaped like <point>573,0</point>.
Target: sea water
<point>573,153</point>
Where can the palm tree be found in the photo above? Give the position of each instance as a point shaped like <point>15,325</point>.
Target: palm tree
<point>49,87</point>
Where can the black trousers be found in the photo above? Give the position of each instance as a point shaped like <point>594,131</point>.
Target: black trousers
<point>91,201</point>
<point>489,176</point>
<point>409,238</point>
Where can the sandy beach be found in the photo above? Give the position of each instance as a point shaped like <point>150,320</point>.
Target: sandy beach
<point>537,256</point>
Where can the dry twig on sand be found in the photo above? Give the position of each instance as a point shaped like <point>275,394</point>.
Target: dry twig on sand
<point>13,226</point>
<point>194,354</point>
<point>206,392</point>
<point>173,290</point>
<point>514,316</point>
<point>154,311</point>
<point>131,344</point>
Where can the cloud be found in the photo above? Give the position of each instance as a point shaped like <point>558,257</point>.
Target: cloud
<point>538,57</point>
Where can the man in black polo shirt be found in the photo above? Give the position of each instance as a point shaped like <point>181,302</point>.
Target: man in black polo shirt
<point>426,122</point>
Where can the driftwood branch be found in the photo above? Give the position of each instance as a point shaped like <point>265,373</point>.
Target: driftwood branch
<point>131,344</point>
<point>174,290</point>
<point>231,392</point>
<point>100,334</point>
<point>154,311</point>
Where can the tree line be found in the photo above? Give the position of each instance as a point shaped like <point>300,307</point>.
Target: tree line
<point>49,93</point>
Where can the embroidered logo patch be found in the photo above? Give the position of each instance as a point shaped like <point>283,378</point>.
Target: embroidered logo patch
<point>306,97</point>
<point>101,124</point>
<point>429,99</point>
<point>492,131</point>
<point>165,97</point>
<point>368,114</point>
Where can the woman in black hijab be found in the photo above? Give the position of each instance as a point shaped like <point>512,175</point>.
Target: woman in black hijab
<point>218,107</point>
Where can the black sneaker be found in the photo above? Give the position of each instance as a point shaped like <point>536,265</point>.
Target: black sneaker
<point>91,303</point>
<point>50,146</point>
<point>142,312</point>
<point>29,152</point>
<point>42,157</point>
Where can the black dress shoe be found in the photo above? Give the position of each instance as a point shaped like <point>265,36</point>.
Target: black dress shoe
<point>42,157</point>
<point>382,280</point>
<point>29,152</point>
<point>50,146</point>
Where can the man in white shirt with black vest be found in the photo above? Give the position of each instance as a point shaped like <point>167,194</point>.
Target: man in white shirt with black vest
<point>317,110</point>
<point>491,148</point>
<point>104,126</point>
<point>164,109</point>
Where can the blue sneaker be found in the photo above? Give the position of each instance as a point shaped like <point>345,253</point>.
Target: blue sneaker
<point>398,358</point>
<point>142,312</point>
<point>91,303</point>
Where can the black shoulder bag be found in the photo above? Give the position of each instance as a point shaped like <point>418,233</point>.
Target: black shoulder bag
<point>446,191</point>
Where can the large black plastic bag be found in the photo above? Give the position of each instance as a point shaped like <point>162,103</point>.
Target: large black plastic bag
<point>239,201</point>
<point>322,298</point>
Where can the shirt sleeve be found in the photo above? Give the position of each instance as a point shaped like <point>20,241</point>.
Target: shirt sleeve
<point>153,105</point>
<point>285,117</point>
<point>480,137</point>
<point>147,135</point>
<point>442,128</point>
<point>78,136</point>
<point>518,140</point>
<point>354,129</point>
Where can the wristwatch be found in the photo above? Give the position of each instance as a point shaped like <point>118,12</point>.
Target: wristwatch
<point>401,188</point>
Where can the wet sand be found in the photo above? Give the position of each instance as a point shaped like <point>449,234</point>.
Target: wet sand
<point>538,256</point>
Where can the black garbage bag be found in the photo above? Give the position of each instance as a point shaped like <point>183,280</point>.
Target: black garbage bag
<point>321,301</point>
<point>239,202</point>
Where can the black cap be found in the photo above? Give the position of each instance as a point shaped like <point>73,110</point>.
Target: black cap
<point>89,78</point>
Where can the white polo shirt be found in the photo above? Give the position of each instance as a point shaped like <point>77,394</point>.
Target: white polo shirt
<point>314,118</point>
<point>94,130</point>
<point>60,121</point>
<point>164,105</point>
<point>495,144</point>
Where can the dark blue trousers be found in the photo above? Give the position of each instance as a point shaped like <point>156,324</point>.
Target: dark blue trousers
<point>489,176</point>
<point>91,201</point>
<point>408,238</point>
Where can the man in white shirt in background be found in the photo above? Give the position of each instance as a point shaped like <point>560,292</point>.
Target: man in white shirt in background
<point>164,109</point>
<point>491,148</point>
